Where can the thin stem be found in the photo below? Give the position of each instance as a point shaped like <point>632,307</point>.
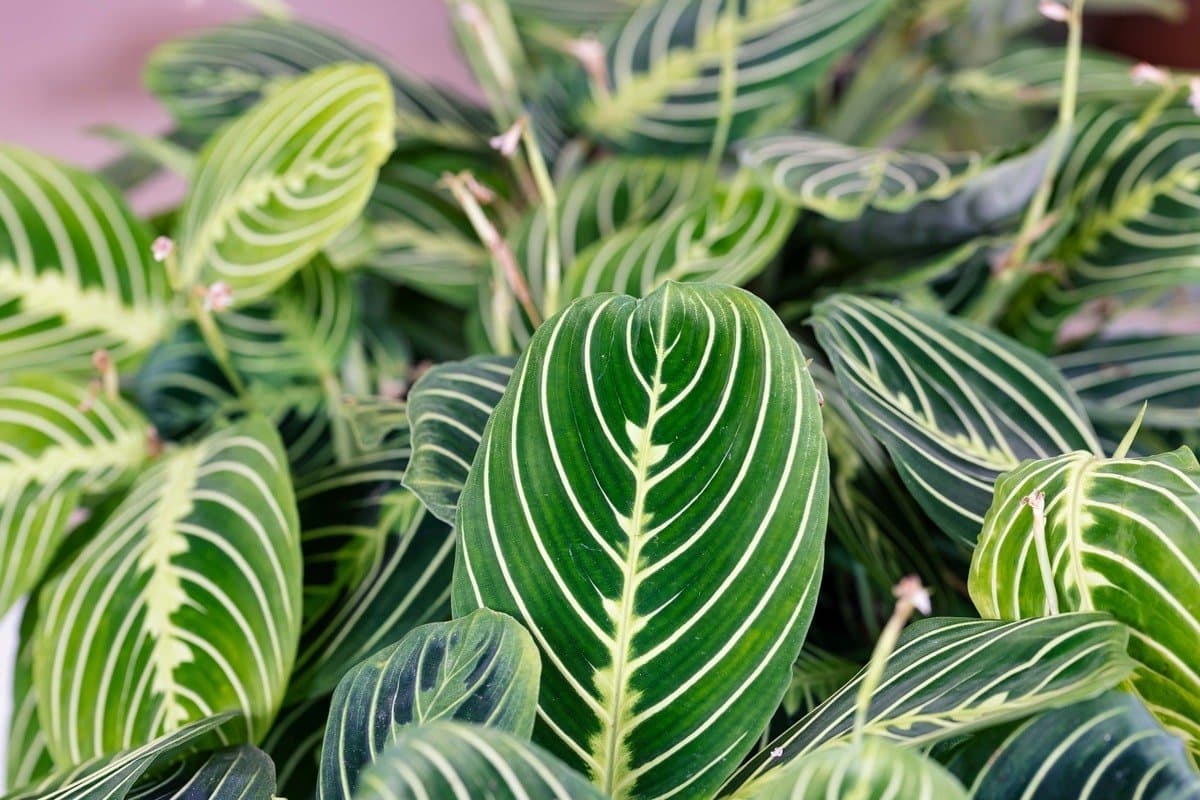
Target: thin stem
<point>727,35</point>
<point>1037,504</point>
<point>216,344</point>
<point>545,187</point>
<point>489,61</point>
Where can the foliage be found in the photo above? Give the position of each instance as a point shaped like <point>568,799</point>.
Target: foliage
<point>440,449</point>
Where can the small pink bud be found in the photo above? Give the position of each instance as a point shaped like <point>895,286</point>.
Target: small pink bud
<point>162,248</point>
<point>481,192</point>
<point>1036,501</point>
<point>1194,94</point>
<point>777,753</point>
<point>1054,11</point>
<point>910,590</point>
<point>77,517</point>
<point>1144,73</point>
<point>102,361</point>
<point>588,51</point>
<point>508,142</point>
<point>470,14</point>
<point>218,297</point>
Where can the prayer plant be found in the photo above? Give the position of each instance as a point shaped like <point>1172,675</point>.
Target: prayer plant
<point>599,440</point>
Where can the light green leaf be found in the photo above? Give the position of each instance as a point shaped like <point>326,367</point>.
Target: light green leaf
<point>482,668</point>
<point>1120,535</point>
<point>298,333</point>
<point>667,64</point>
<point>948,677</point>
<point>1115,378</point>
<point>234,773</point>
<point>112,777</point>
<point>955,404</point>
<point>874,769</point>
<point>281,182</point>
<point>449,406</point>
<point>377,564</point>
<point>76,274</point>
<point>208,79</point>
<point>651,466</point>
<point>1106,747</point>
<point>28,758</point>
<point>449,759</point>
<point>58,443</point>
<point>186,602</point>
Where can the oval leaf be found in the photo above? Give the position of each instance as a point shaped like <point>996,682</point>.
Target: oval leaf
<point>449,406</point>
<point>955,404</point>
<point>448,759</point>
<point>282,181</point>
<point>60,442</point>
<point>1107,747</point>
<point>185,602</point>
<point>75,270</point>
<point>634,437</point>
<point>483,668</point>
<point>948,677</point>
<point>1119,535</point>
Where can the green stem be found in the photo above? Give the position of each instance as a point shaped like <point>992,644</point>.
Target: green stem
<point>216,344</point>
<point>545,187</point>
<point>727,35</point>
<point>879,658</point>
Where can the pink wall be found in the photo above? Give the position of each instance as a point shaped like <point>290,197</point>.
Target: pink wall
<point>68,64</point>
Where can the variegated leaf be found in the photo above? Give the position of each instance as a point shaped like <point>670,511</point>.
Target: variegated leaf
<point>955,404</point>
<point>210,78</point>
<point>870,769</point>
<point>377,564</point>
<point>1119,535</point>
<point>28,757</point>
<point>234,773</point>
<point>634,437</point>
<point>450,759</point>
<point>113,777</point>
<point>282,181</point>
<point>448,407</point>
<point>58,443</point>
<point>948,677</point>
<point>185,602</point>
<point>482,669</point>
<point>76,274</point>
<point>678,68</point>
<point>1109,746</point>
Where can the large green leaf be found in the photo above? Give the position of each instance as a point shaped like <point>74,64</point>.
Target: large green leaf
<point>1121,535</point>
<point>209,78</point>
<point>281,182</point>
<point>185,602</point>
<point>298,333</point>
<point>955,404</point>
<point>649,499</point>
<point>1135,191</point>
<point>234,773</point>
<point>76,274</point>
<point>112,777</point>
<point>52,452</point>
<point>948,677</point>
<point>1106,747</point>
<point>377,564</point>
<point>1115,378</point>
<point>678,67</point>
<point>482,668</point>
<point>450,759</point>
<point>873,769</point>
<point>449,406</point>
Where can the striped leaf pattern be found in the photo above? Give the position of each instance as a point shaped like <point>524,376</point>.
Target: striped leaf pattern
<point>873,769</point>
<point>666,64</point>
<point>1135,190</point>
<point>75,270</point>
<point>1115,378</point>
<point>294,743</point>
<point>281,182</point>
<point>300,332</point>
<point>955,404</point>
<point>208,79</point>
<point>185,603</point>
<point>1106,747</point>
<point>726,237</point>
<point>453,760</point>
<point>57,444</point>
<point>377,564</point>
<point>113,777</point>
<point>580,16</point>
<point>482,669</point>
<point>448,407</point>
<point>950,676</point>
<point>1030,74</point>
<point>1121,536</point>
<point>634,436</point>
<point>28,757</point>
<point>234,773</point>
